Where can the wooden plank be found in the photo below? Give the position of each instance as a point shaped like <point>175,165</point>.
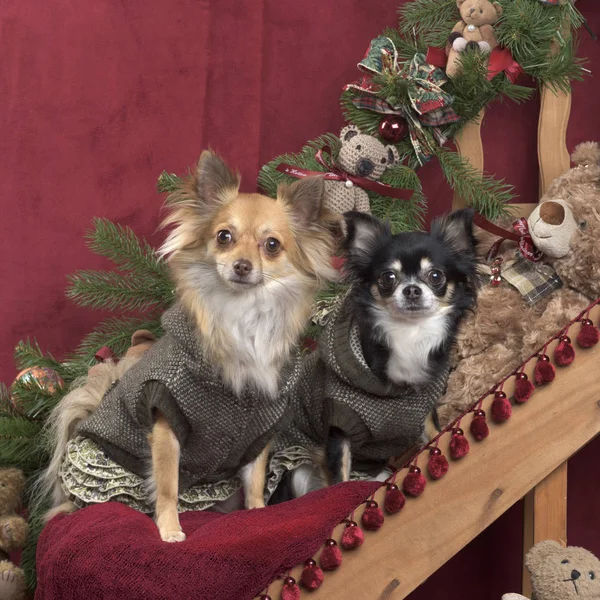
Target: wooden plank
<point>558,420</point>
<point>553,156</point>
<point>469,145</point>
<point>545,515</point>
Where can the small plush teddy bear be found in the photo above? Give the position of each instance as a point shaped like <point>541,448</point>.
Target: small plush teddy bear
<point>505,328</point>
<point>13,533</point>
<point>363,156</point>
<point>559,573</point>
<point>474,30</point>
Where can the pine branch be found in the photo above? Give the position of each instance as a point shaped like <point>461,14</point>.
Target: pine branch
<point>111,290</point>
<point>429,21</point>
<point>19,444</point>
<point>116,334</point>
<point>485,194</point>
<point>29,354</point>
<point>168,182</point>
<point>126,250</point>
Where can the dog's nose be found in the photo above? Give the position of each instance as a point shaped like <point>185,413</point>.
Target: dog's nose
<point>412,292</point>
<point>365,167</point>
<point>552,213</point>
<point>242,267</point>
<point>575,574</point>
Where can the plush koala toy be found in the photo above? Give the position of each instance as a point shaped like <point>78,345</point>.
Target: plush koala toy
<point>13,533</point>
<point>559,573</point>
<point>361,155</point>
<point>504,330</point>
<point>473,31</point>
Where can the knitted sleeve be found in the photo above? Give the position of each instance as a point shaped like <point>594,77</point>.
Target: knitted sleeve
<point>340,415</point>
<point>156,396</point>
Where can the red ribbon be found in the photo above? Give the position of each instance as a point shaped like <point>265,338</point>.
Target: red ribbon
<point>104,354</point>
<point>501,60</point>
<point>521,236</point>
<point>334,173</point>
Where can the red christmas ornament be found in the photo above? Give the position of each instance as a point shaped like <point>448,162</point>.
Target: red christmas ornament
<point>331,556</point>
<point>312,575</point>
<point>501,408</point>
<point>372,517</point>
<point>564,353</point>
<point>394,499</point>
<point>353,536</point>
<point>437,465</point>
<point>544,371</point>
<point>588,335</point>
<point>414,483</point>
<point>265,597</point>
<point>290,590</point>
<point>459,444</point>
<point>479,427</point>
<point>393,128</point>
<point>523,388</point>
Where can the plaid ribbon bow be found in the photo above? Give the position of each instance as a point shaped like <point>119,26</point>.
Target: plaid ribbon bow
<point>522,236</point>
<point>429,106</point>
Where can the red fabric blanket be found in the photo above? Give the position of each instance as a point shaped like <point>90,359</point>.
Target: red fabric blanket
<point>111,551</point>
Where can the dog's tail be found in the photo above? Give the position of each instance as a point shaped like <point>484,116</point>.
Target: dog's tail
<point>83,399</point>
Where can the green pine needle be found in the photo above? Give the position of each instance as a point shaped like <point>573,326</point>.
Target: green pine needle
<point>168,182</point>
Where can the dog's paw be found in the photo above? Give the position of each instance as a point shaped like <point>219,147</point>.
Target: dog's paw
<point>172,536</point>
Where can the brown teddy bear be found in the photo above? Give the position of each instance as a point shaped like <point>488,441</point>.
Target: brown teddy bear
<point>507,327</point>
<point>363,156</point>
<point>559,573</point>
<point>473,31</point>
<point>79,404</point>
<point>13,533</point>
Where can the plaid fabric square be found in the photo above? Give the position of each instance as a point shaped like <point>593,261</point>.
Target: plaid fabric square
<point>534,281</point>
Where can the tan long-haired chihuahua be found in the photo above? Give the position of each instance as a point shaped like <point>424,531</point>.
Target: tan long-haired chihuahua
<point>246,268</point>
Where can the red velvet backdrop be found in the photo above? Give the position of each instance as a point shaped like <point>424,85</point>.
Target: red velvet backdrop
<point>99,97</point>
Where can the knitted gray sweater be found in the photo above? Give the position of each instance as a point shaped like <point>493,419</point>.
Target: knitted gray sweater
<point>218,431</point>
<point>337,388</point>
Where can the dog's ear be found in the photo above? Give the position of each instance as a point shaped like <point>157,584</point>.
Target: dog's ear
<point>456,229</point>
<point>364,232</point>
<point>214,178</point>
<point>305,196</point>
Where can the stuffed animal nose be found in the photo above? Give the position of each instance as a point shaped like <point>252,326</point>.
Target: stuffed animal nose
<point>552,213</point>
<point>412,292</point>
<point>364,168</point>
<point>471,11</point>
<point>575,574</point>
<point>242,267</point>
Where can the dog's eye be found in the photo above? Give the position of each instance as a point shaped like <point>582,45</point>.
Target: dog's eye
<point>272,245</point>
<point>224,236</point>
<point>435,277</point>
<point>582,224</point>
<point>480,11</point>
<point>387,280</point>
<point>564,562</point>
<point>592,575</point>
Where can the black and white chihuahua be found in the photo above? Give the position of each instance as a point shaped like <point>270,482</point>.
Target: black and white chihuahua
<point>408,296</point>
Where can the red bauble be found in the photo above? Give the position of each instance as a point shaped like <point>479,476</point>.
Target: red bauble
<point>437,465</point>
<point>290,590</point>
<point>459,444</point>
<point>564,353</point>
<point>479,427</point>
<point>414,483</point>
<point>588,335</point>
<point>501,408</point>
<point>394,499</point>
<point>312,575</point>
<point>544,371</point>
<point>393,128</point>
<point>523,388</point>
<point>331,556</point>
<point>372,517</point>
<point>353,536</point>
